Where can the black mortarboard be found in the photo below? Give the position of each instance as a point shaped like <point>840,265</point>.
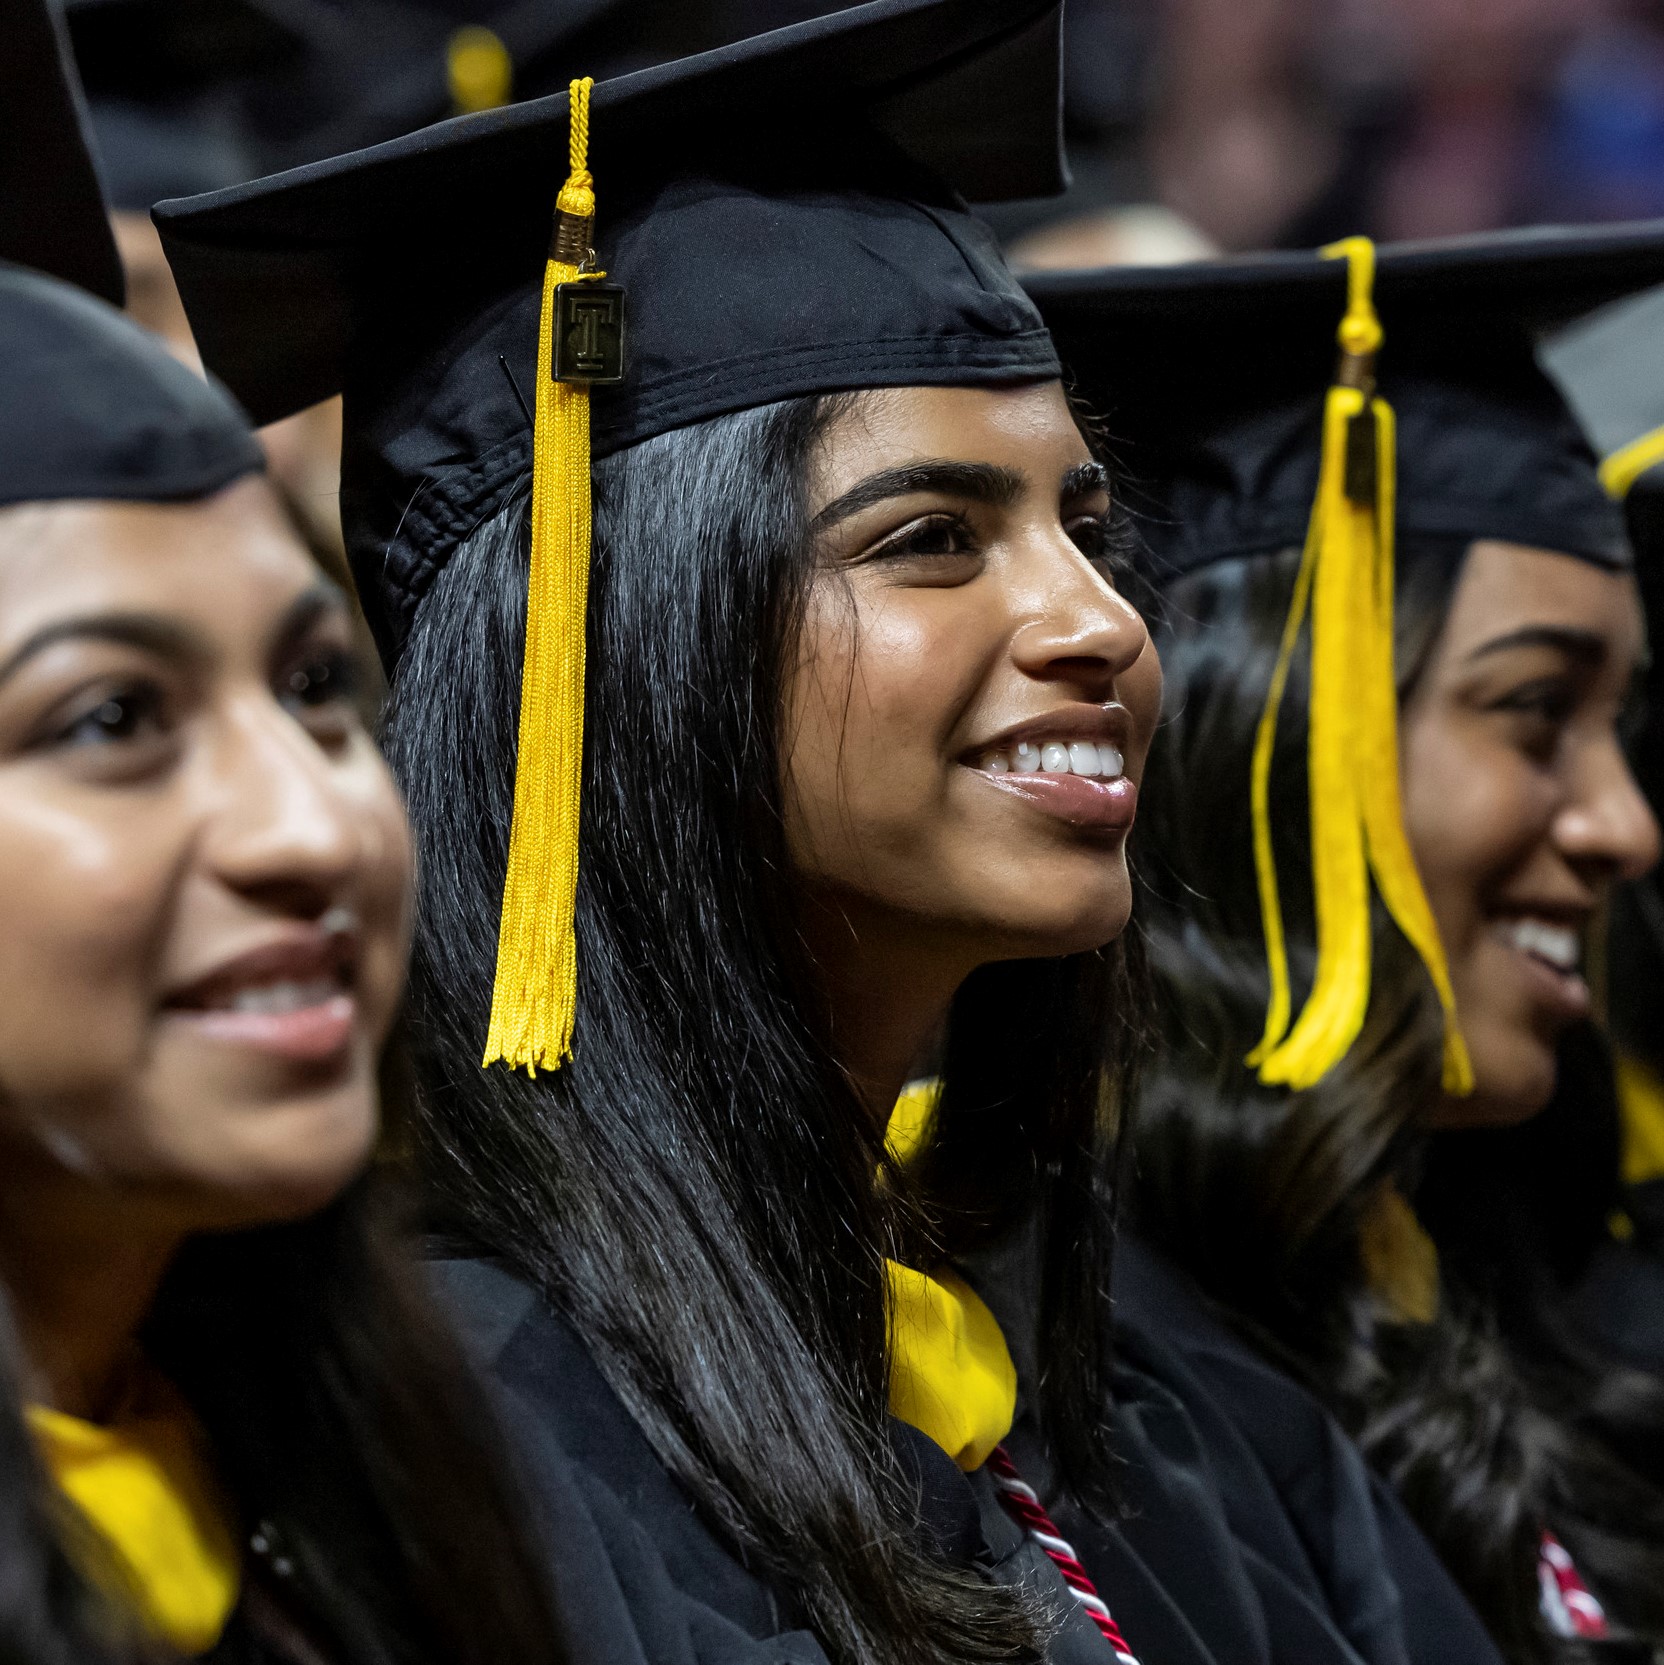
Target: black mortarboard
<point>785,216</point>
<point>90,405</point>
<point>377,69</point>
<point>51,210</point>
<point>166,82</point>
<point>1338,402</point>
<point>730,211</point>
<point>1211,379</point>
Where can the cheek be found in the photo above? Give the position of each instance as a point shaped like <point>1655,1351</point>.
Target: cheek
<point>384,882</point>
<point>81,942</point>
<point>871,713</point>
<point>1473,813</point>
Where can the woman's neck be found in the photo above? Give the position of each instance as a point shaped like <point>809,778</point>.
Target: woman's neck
<point>80,1283</point>
<point>886,994</point>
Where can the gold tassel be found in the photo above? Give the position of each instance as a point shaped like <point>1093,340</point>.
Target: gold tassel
<point>1357,826</point>
<point>534,1000</point>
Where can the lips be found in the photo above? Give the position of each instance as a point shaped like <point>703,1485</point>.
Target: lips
<point>291,997</point>
<point>1549,951</point>
<point>1069,763</point>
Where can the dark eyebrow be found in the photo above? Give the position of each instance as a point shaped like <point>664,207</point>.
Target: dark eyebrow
<point>1583,647</point>
<point>166,638</point>
<point>1084,479</point>
<point>144,631</point>
<point>981,482</point>
<point>324,596</point>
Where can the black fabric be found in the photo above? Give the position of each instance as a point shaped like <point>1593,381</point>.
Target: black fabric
<point>51,211</point>
<point>165,83</point>
<point>1619,1300</point>
<point>1210,380</point>
<point>690,1592</point>
<point>782,213</point>
<point>1296,1488</point>
<point>1250,1531</point>
<point>93,407</point>
<point>1470,465</point>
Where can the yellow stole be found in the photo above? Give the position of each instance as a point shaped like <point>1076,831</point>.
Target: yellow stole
<point>950,1374</point>
<point>145,1488</point>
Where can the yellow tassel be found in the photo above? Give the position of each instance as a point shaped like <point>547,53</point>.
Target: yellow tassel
<point>1357,827</point>
<point>534,1000</point>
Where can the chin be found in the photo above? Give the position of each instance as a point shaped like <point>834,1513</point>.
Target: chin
<point>295,1161</point>
<point>1077,930</point>
<point>1514,1076</point>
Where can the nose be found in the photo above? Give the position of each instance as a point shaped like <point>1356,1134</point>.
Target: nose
<point>1075,628</point>
<point>282,833</point>
<point>1607,826</point>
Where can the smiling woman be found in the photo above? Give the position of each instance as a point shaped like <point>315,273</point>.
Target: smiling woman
<point>1519,802</point>
<point>770,720</point>
<point>230,1424</point>
<point>214,925</point>
<point>202,947</point>
<point>1437,513</point>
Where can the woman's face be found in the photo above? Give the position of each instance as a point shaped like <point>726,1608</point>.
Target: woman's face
<point>973,701</point>
<point>1519,805</point>
<point>203,924</point>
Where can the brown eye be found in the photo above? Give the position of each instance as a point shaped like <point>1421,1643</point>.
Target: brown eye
<point>1539,711</point>
<point>938,536</point>
<point>319,689</point>
<point>329,677</point>
<point>119,717</point>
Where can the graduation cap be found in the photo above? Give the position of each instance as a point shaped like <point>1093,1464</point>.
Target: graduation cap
<point>785,216</point>
<point>166,83</point>
<point>374,70</point>
<point>51,209</point>
<point>1336,401</point>
<point>90,405</point>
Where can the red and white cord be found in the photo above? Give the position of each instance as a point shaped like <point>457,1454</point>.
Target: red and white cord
<point>1020,1501</point>
<point>1569,1606</point>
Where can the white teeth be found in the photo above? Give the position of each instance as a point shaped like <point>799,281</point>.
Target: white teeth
<point>1077,757</point>
<point>1557,944</point>
<point>285,996</point>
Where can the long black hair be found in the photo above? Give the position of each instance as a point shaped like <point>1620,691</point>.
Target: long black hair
<point>696,1188</point>
<point>347,1432</point>
<point>1494,1420</point>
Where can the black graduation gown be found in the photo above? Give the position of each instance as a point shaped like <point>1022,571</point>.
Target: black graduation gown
<point>1619,1300</point>
<point>1321,1523</point>
<point>684,1594</point>
<point>1252,1532</point>
<point>595,1555</point>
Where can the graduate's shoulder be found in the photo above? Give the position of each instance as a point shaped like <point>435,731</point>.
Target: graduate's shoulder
<point>689,1593</point>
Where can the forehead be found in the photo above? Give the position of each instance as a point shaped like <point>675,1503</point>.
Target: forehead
<point>1507,587</point>
<point>221,563</point>
<point>1029,428</point>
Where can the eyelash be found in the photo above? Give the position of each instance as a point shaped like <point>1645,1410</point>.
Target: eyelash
<point>115,718</point>
<point>908,542</point>
<point>1106,540</point>
<point>1553,701</point>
